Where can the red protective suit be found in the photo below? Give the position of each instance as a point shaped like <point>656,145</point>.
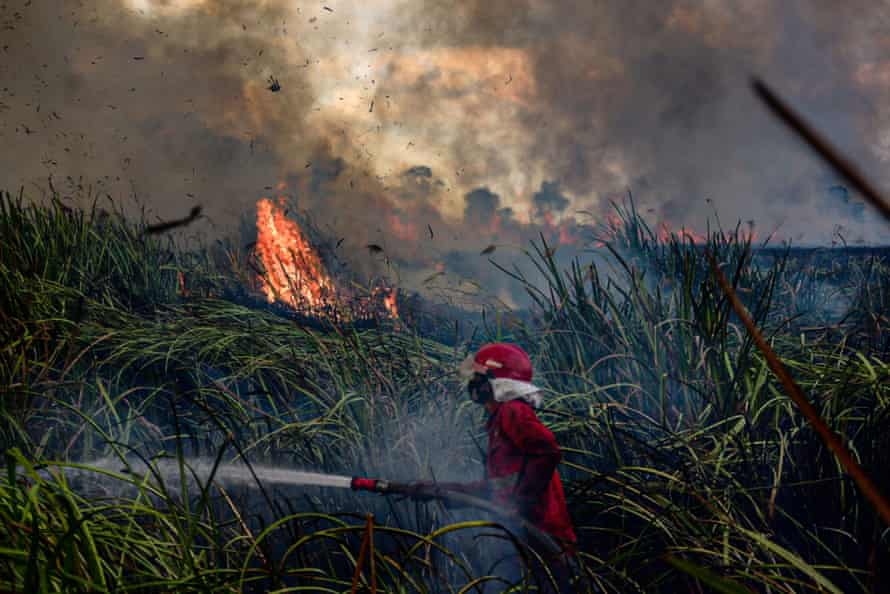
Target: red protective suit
<point>521,469</point>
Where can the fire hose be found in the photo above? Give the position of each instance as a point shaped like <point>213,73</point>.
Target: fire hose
<point>426,491</point>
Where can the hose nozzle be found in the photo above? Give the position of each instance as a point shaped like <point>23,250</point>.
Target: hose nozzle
<point>369,484</point>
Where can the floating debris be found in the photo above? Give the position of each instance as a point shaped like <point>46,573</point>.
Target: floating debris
<point>432,277</point>
<point>166,226</point>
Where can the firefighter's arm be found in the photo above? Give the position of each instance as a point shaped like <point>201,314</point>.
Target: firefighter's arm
<point>542,453</point>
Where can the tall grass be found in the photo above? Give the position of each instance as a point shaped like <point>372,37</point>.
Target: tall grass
<point>696,450</point>
<point>687,468</point>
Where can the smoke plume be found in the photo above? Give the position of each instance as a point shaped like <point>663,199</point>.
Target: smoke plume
<point>435,129</point>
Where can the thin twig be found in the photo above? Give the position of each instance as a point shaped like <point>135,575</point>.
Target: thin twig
<point>371,554</point>
<point>366,544</point>
<point>243,525</point>
<point>163,227</point>
<point>829,437</point>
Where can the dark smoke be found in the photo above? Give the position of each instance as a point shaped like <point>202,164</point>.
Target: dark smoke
<point>659,91</point>
<point>481,207</point>
<point>488,122</point>
<point>549,199</point>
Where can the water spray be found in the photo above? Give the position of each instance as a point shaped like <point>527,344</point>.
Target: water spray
<point>241,474</point>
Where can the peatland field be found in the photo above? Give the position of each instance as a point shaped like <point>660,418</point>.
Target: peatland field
<point>153,408</point>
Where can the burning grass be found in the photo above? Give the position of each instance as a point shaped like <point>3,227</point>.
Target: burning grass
<point>686,466</point>
<point>292,273</point>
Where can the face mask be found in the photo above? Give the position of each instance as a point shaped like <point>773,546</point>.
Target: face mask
<point>479,389</point>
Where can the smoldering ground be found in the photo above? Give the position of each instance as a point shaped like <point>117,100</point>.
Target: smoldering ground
<point>392,120</point>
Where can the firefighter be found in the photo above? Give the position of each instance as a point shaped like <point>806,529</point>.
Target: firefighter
<point>520,468</point>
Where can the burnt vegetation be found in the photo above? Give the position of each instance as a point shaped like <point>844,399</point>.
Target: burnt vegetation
<point>687,468</point>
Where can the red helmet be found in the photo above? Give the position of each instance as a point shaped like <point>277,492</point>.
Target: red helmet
<point>502,359</point>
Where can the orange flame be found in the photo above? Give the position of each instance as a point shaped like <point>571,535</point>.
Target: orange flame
<point>567,235</point>
<point>389,302</point>
<point>294,272</point>
<point>296,276</point>
<point>402,230</point>
<point>664,232</point>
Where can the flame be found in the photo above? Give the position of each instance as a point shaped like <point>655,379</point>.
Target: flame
<point>294,273</point>
<point>665,232</point>
<point>567,235</point>
<point>390,303</point>
<point>402,230</point>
